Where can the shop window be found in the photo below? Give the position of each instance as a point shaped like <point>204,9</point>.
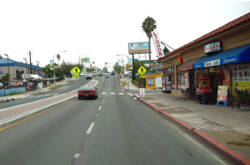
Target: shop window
<point>181,81</point>
<point>150,81</point>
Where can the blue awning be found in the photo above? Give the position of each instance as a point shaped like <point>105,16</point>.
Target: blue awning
<point>239,54</point>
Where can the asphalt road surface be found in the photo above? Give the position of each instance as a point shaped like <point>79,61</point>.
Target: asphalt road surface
<point>114,129</point>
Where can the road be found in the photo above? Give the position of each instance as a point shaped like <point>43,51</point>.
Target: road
<point>114,129</point>
<point>67,88</point>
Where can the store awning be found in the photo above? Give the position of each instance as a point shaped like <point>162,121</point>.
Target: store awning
<point>235,55</point>
<point>189,65</point>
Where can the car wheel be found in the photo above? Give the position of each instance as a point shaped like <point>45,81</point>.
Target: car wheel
<point>79,98</point>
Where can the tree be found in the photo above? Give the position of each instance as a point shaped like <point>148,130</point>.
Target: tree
<point>165,50</point>
<point>117,68</point>
<point>58,56</point>
<point>149,25</point>
<point>6,80</point>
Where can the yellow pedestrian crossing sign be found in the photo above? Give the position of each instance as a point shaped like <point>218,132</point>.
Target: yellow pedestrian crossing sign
<point>76,76</point>
<point>142,70</point>
<point>142,76</point>
<point>76,71</point>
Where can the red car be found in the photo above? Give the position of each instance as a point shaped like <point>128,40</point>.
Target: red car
<point>87,92</point>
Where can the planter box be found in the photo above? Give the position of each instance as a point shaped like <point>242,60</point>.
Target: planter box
<point>245,107</point>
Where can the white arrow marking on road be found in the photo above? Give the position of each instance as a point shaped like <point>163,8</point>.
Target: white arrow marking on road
<point>77,156</point>
<point>100,108</point>
<point>90,128</point>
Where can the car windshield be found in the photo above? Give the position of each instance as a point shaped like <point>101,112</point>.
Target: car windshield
<point>87,87</point>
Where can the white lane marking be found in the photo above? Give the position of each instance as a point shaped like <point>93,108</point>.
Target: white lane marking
<point>90,128</point>
<point>103,100</point>
<point>100,108</point>
<point>121,93</point>
<point>55,94</point>
<point>77,156</point>
<point>112,93</point>
<point>47,95</point>
<point>104,93</point>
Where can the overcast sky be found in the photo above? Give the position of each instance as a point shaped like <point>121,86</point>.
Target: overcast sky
<point>104,27</point>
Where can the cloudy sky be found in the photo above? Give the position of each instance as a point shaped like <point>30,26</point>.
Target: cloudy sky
<point>104,27</point>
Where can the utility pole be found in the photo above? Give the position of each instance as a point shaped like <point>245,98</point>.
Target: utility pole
<point>30,63</point>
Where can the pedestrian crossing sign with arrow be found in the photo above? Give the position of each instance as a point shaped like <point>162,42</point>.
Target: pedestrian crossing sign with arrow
<point>76,70</point>
<point>142,70</point>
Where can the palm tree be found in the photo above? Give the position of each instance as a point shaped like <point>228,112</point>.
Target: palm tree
<point>58,56</point>
<point>148,26</point>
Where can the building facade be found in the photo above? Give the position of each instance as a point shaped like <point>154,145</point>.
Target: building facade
<point>221,57</point>
<point>14,68</point>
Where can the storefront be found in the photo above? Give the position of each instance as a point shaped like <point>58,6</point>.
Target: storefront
<point>220,57</point>
<point>230,67</point>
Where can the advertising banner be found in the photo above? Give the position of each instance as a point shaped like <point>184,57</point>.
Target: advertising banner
<point>157,43</point>
<point>241,77</point>
<point>85,60</point>
<point>222,93</point>
<point>138,47</point>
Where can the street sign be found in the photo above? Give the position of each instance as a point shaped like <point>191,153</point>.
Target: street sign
<point>76,76</point>
<point>142,70</point>
<point>76,70</point>
<point>142,76</point>
<point>24,76</point>
<point>141,92</point>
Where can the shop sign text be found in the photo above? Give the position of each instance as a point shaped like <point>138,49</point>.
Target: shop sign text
<point>212,63</point>
<point>212,47</point>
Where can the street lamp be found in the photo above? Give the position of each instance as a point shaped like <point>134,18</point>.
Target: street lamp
<point>26,75</point>
<point>54,66</point>
<point>8,63</point>
<point>128,66</point>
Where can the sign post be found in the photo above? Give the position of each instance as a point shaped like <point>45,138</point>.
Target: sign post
<point>142,70</point>
<point>76,71</point>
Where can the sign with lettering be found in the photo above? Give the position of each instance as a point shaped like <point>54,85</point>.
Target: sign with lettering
<point>157,43</point>
<point>212,47</point>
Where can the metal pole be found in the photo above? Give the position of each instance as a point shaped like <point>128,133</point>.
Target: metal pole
<point>8,63</point>
<point>54,71</point>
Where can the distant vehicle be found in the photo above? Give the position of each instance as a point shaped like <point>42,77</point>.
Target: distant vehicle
<point>93,75</point>
<point>100,74</point>
<point>106,75</point>
<point>113,73</point>
<point>87,92</point>
<point>126,73</point>
<point>88,76</point>
<point>14,83</point>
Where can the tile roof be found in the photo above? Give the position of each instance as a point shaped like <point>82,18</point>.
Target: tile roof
<point>228,26</point>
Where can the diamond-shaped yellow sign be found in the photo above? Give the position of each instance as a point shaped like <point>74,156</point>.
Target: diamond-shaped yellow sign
<point>142,76</point>
<point>142,70</point>
<point>76,70</point>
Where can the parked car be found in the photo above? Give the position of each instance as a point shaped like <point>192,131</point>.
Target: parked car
<point>86,91</point>
<point>88,77</point>
<point>14,83</point>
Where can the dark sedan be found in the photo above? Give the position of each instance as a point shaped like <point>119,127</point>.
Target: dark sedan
<point>87,92</point>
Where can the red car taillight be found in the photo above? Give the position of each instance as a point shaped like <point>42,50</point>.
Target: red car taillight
<point>92,91</point>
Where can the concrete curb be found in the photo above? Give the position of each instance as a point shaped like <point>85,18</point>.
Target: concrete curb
<point>239,159</point>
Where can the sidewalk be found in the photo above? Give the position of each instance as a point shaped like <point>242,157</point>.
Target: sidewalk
<point>30,93</point>
<point>227,126</point>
